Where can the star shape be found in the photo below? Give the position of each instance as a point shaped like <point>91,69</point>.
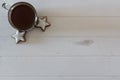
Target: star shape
<point>19,36</point>
<point>43,23</point>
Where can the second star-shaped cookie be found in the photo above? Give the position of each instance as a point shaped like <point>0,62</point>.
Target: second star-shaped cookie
<point>43,23</point>
<point>19,36</point>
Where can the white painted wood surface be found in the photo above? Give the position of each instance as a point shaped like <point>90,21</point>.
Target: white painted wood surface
<point>74,7</point>
<point>75,47</point>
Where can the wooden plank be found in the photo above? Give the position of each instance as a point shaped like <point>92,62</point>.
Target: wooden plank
<point>60,67</point>
<point>58,78</point>
<point>73,27</point>
<point>74,7</point>
<point>67,47</point>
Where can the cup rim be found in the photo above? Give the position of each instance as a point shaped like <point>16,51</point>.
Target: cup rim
<point>22,3</point>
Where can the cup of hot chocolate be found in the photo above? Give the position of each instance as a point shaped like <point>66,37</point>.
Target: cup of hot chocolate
<point>23,17</point>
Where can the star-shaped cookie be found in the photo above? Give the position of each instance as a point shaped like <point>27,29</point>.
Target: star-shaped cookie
<point>43,23</point>
<point>19,36</point>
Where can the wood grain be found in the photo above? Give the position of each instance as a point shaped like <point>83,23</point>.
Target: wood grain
<point>83,43</point>
<point>84,36</point>
<point>72,48</point>
<point>73,7</point>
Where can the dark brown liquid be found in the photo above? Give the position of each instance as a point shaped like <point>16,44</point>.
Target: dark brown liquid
<point>23,17</point>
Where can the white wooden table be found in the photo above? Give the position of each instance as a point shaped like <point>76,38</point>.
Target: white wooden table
<point>83,43</point>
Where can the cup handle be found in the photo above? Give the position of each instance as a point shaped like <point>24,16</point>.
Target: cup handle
<point>6,6</point>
